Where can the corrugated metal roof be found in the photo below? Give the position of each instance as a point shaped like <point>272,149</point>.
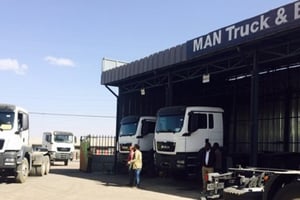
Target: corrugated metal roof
<point>254,28</point>
<point>158,60</point>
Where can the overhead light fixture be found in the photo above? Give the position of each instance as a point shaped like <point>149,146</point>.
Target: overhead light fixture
<point>205,78</point>
<point>143,92</point>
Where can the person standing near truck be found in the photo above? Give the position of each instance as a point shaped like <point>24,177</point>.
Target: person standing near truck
<point>218,160</point>
<point>130,169</point>
<point>208,159</point>
<point>137,164</point>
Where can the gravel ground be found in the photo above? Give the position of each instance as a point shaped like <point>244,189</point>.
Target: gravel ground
<point>69,183</point>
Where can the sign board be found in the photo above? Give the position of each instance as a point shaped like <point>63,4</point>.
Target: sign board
<point>274,21</point>
<point>108,64</point>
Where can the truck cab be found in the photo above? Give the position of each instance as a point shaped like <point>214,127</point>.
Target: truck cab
<point>14,145</point>
<point>17,158</point>
<point>181,132</point>
<point>14,127</point>
<point>60,144</point>
<point>136,130</point>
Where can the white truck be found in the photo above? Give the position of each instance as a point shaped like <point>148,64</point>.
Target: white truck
<point>60,145</point>
<point>17,157</point>
<point>253,183</point>
<point>137,130</point>
<point>181,132</point>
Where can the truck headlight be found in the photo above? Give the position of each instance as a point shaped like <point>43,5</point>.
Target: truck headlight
<point>9,161</point>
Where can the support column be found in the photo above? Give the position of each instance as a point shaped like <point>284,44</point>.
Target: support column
<point>234,123</point>
<point>254,112</point>
<point>118,119</point>
<point>169,91</point>
<point>287,114</point>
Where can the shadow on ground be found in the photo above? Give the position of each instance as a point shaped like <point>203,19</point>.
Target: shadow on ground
<point>181,188</point>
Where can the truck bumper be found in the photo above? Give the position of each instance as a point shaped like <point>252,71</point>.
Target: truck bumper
<point>181,164</point>
<point>55,156</point>
<point>170,162</point>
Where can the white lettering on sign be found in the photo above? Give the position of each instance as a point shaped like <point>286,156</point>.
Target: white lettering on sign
<point>297,10</point>
<point>209,40</point>
<point>247,29</point>
<point>264,22</point>
<point>281,17</point>
<point>278,19</point>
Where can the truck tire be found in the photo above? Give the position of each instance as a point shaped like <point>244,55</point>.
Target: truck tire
<point>33,171</point>
<point>40,170</point>
<point>22,171</point>
<point>47,165</point>
<point>289,192</point>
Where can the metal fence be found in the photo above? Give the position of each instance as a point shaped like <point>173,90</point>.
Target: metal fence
<point>97,153</point>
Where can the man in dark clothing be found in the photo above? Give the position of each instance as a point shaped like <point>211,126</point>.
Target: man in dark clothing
<point>218,154</point>
<point>208,160</point>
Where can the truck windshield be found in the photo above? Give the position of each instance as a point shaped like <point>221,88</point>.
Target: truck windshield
<point>128,129</point>
<point>169,123</point>
<point>63,138</point>
<point>6,120</point>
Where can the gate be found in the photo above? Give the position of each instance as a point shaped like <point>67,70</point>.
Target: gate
<point>97,153</point>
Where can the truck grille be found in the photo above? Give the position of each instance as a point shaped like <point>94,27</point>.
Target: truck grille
<point>63,149</point>
<point>1,144</point>
<point>166,146</point>
<point>62,156</point>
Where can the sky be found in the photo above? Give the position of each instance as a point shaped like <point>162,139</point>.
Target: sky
<point>51,51</point>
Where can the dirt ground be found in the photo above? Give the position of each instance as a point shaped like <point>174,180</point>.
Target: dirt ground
<point>69,183</point>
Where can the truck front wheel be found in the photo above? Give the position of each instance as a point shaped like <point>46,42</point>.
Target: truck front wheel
<point>289,192</point>
<point>22,171</point>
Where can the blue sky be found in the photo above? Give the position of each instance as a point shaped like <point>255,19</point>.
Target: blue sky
<point>51,50</point>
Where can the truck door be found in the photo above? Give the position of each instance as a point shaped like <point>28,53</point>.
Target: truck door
<point>23,127</point>
<point>198,128</point>
<point>147,135</point>
<point>47,140</point>
<point>202,126</point>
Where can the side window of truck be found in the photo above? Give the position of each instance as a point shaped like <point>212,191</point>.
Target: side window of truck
<point>23,121</point>
<point>20,121</point>
<point>197,121</point>
<point>148,127</point>
<point>48,138</point>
